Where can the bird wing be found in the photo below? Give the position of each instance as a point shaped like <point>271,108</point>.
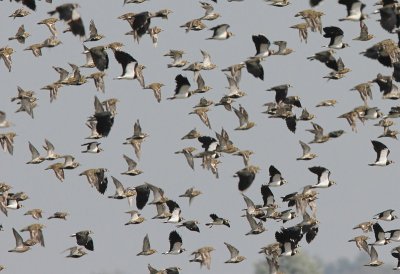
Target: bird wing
<point>252,222</point>
<point>233,250</point>
<point>18,238</point>
<point>92,28</point>
<point>306,148</point>
<point>146,243</point>
<point>246,178</point>
<point>34,151</point>
<point>143,193</point>
<point>267,195</point>
<point>118,185</point>
<point>131,163</point>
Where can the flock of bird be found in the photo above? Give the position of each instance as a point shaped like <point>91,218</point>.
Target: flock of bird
<point>298,218</point>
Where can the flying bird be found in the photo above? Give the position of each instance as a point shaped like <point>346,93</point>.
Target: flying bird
<point>68,13</point>
<point>382,152</point>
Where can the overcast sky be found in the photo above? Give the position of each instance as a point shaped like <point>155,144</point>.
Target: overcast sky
<point>361,190</point>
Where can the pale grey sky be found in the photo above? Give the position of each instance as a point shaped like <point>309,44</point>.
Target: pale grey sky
<point>361,191</point>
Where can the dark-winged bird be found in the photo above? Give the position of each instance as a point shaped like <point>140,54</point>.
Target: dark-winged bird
<point>83,238</point>
<point>69,14</point>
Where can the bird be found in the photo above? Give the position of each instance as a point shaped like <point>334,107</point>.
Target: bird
<point>361,242</point>
<point>386,215</point>
<point>202,113</point>
<point>207,64</point>
<point>354,10</point>
<point>327,103</point>
<point>140,24</point>
<point>69,162</point>
<point>30,3</point>
<point>279,3</point>
<point>156,88</point>
<point>176,56</point>
<point>104,118</point>
<point>192,134</point>
<point>158,194</point>
<point>234,253</point>
<point>281,92</point>
<point>59,215</point>
<point>339,72</point>
<point>220,32</point>
<point>218,221</point>
<point>244,123</point>
<point>75,252</point>
<point>92,147</point>
<point>3,122</point>
<point>389,20</point>
<point>99,57</point>
<point>386,52</point>
<point>246,176</point>
<point>307,155</point>
<point>93,35</point>
<point>128,64</point>
<point>245,154</point>
<point>132,170</point>
<point>49,147</point>
<point>374,261</point>
<point>68,12</point>
<point>35,213</point>
<point>364,34</point>
<point>136,217</point>
<point>175,212</point>
<point>394,235</point>
<point>312,18</point>
<point>323,177</point>
<point>262,45</point>
<point>380,238</point>
<point>153,32</point>
<point>83,238</point>
<point>21,35</point>
<point>96,178</point>
<point>336,35</point>
<point>20,13</point>
<point>36,158</point>
<point>282,48</point>
<point>182,88</point>
<point>303,32</point>
<point>192,225</point>
<point>20,247</point>
<point>58,169</point>
<point>121,192</point>
<point>36,233</point>
<point>288,239</point>
<point>50,24</point>
<point>256,228</point>
<point>146,249</point>
<point>175,242</point>
<point>191,193</point>
<point>234,92</point>
<point>195,25</point>
<point>382,152</point>
<point>203,256</point>
<point>395,253</point>
<point>275,177</point>
<point>209,12</point>
<point>5,54</point>
<point>325,57</point>
<point>254,67</point>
